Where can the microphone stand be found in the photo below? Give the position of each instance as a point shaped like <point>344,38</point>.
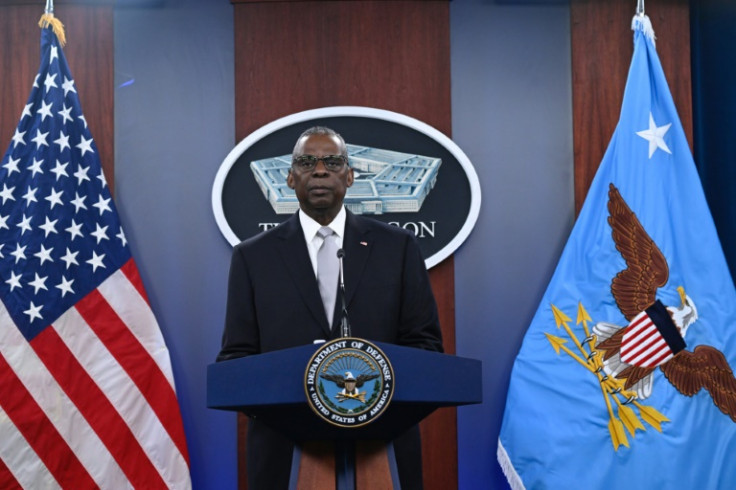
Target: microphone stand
<point>344,323</point>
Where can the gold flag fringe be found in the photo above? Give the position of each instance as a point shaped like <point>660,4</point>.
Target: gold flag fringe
<point>58,28</point>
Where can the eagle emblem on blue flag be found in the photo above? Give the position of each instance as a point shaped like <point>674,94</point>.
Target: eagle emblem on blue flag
<point>624,358</point>
<point>656,335</point>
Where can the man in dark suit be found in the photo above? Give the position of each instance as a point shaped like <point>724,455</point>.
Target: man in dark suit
<point>274,299</point>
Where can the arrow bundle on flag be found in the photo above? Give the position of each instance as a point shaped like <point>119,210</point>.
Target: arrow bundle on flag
<point>638,391</point>
<point>87,396</point>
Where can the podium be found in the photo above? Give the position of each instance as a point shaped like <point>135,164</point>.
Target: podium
<point>271,388</point>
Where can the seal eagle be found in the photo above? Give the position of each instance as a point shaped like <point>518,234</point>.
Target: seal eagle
<point>340,380</point>
<point>633,352</point>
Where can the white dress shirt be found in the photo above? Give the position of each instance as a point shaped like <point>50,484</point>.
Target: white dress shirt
<point>314,241</point>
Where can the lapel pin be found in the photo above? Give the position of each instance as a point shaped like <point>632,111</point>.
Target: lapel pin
<point>365,244</point>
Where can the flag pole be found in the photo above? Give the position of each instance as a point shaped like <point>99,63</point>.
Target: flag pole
<point>640,7</point>
<point>642,23</point>
<point>48,19</point>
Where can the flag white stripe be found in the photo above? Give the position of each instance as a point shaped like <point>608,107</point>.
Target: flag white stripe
<point>654,362</point>
<point>57,406</point>
<point>654,349</point>
<point>133,309</point>
<point>21,459</point>
<point>642,344</point>
<point>125,396</point>
<point>641,331</point>
<point>639,342</point>
<point>638,318</point>
<point>636,350</point>
<point>638,328</point>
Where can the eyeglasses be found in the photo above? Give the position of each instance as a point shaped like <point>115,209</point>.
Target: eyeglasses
<point>307,163</point>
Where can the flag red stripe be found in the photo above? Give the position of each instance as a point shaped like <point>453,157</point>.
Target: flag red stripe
<point>130,270</point>
<point>634,342</point>
<point>640,342</point>
<point>659,351</point>
<point>644,333</point>
<point>659,356</point>
<point>640,336</point>
<point>7,480</point>
<point>135,360</point>
<point>641,318</point>
<point>42,436</point>
<point>96,409</point>
<point>643,358</point>
<point>638,327</point>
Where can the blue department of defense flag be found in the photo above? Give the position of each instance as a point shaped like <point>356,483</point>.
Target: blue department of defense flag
<point>576,415</point>
<point>87,396</point>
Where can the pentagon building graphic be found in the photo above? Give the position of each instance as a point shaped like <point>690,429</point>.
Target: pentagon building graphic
<point>385,181</point>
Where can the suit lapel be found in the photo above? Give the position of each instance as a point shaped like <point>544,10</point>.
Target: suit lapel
<point>294,253</point>
<point>357,245</point>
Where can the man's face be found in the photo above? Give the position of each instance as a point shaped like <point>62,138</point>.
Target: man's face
<point>320,191</point>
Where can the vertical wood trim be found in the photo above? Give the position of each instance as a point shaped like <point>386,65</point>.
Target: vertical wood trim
<point>295,55</point>
<point>317,466</point>
<point>372,468</point>
<point>602,45</point>
<point>89,52</point>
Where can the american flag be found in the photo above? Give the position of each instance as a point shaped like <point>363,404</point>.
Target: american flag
<point>87,395</point>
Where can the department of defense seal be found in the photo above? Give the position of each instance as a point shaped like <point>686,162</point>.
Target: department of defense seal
<point>349,382</point>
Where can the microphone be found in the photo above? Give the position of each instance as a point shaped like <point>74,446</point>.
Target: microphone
<point>344,323</point>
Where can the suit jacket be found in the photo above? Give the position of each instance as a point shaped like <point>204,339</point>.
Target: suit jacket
<point>274,303</point>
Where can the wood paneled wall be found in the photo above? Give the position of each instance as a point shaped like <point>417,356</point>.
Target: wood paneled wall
<point>602,45</point>
<point>89,52</point>
<point>296,55</point>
